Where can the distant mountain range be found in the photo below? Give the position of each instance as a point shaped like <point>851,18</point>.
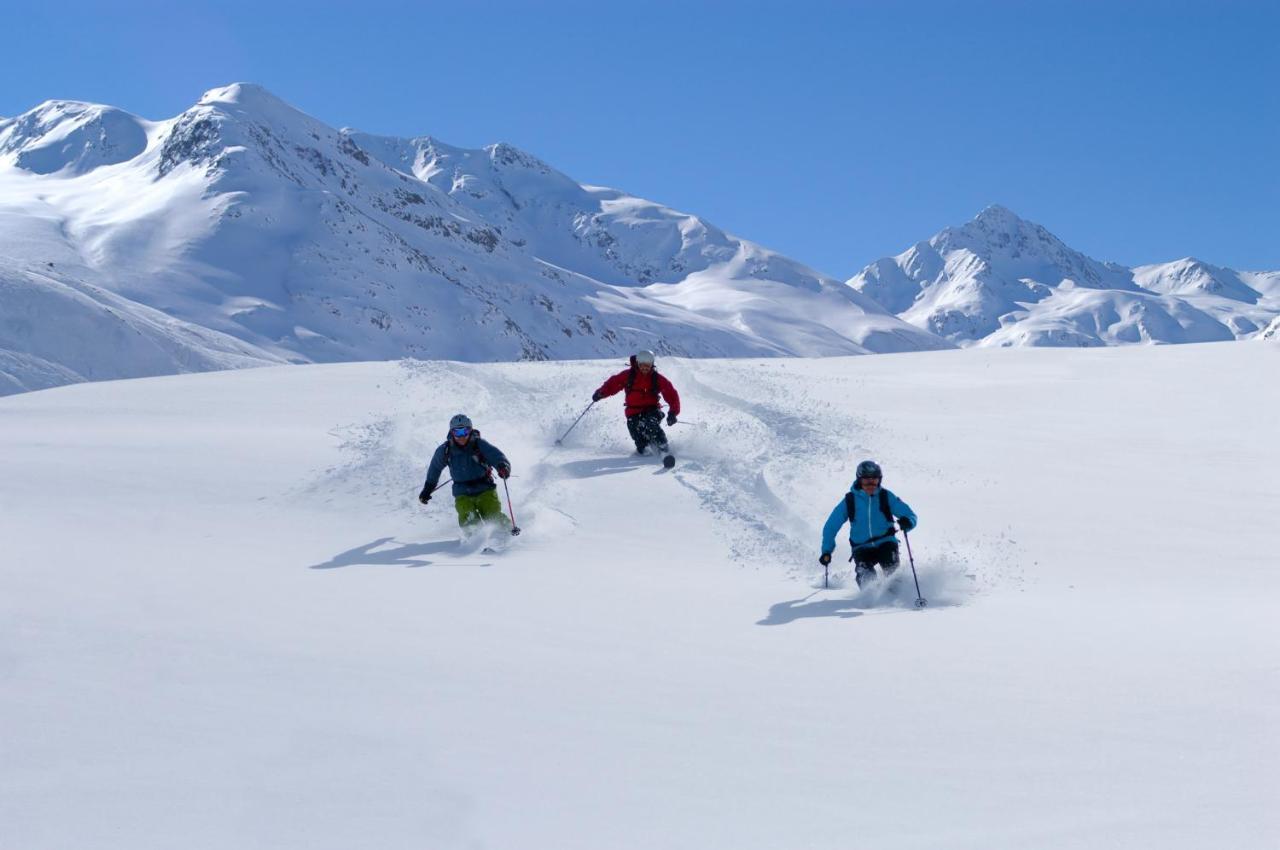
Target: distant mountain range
<point>244,232</point>
<point>1002,280</point>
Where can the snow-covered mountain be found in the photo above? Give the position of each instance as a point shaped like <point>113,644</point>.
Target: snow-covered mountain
<point>1272,331</point>
<point>1002,280</point>
<point>246,232</point>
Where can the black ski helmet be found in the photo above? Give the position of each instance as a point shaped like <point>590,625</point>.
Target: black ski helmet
<point>460,420</point>
<point>869,469</point>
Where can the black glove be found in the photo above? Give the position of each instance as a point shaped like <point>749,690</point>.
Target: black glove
<point>595,396</point>
<point>905,523</point>
<point>424,496</point>
<point>671,419</point>
<point>504,471</point>
<point>824,558</point>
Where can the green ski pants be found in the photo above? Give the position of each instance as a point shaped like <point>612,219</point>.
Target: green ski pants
<point>483,507</point>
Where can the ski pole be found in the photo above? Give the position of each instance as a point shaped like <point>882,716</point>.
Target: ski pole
<point>920,601</point>
<point>442,483</point>
<point>515,529</point>
<point>575,423</point>
<point>826,573</point>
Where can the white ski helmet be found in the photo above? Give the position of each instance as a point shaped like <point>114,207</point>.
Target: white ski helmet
<point>644,355</point>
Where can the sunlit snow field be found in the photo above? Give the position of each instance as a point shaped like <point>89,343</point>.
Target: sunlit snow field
<point>225,621</point>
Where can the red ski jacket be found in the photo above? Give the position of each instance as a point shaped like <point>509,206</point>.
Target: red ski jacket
<point>643,393</point>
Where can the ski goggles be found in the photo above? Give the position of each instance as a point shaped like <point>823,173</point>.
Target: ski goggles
<point>464,431</point>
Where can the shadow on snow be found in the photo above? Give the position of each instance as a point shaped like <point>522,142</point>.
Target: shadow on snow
<point>402,555</point>
<point>791,610</point>
<point>594,467</point>
<point>880,596</point>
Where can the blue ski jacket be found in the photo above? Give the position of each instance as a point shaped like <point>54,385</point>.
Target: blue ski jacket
<point>469,465</point>
<point>869,523</point>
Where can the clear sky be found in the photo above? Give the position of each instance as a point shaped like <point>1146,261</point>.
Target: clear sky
<point>835,133</point>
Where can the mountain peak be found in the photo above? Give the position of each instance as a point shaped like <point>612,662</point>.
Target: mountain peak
<point>242,100</point>
<point>241,94</point>
<point>1000,279</point>
<point>995,214</point>
<point>997,219</point>
<point>71,137</point>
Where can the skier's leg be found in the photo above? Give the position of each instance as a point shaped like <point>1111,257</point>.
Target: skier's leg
<point>863,572</point>
<point>635,426</point>
<point>653,426</point>
<point>888,557</point>
<point>468,510</point>
<point>490,508</point>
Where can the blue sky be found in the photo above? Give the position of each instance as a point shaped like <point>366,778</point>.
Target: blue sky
<point>836,133</point>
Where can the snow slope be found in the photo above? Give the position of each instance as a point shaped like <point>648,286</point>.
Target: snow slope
<point>263,232</point>
<point>225,621</point>
<point>1000,280</point>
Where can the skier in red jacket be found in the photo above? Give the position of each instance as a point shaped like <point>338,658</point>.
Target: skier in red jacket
<point>643,385</point>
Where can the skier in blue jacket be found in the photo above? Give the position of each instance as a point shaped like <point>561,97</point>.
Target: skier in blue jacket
<point>869,509</point>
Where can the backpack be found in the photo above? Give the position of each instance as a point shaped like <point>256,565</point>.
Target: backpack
<point>631,380</point>
<point>851,505</point>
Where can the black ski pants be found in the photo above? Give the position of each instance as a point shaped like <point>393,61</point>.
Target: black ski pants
<point>645,428</point>
<point>865,560</point>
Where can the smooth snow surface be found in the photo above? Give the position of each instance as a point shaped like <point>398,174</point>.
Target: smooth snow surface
<point>225,622</point>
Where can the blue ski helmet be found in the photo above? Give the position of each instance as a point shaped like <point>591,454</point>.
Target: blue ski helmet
<point>869,469</point>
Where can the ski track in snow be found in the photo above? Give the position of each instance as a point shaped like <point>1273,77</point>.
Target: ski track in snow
<point>751,463</point>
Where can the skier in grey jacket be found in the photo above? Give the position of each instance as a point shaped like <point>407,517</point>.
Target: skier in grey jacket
<point>471,463</point>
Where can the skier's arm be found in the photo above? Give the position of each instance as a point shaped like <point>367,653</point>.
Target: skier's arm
<point>668,391</point>
<point>435,468</point>
<point>902,510</point>
<point>611,387</point>
<point>493,456</point>
<point>839,515</point>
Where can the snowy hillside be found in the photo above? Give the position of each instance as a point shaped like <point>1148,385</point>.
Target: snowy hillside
<point>1000,280</point>
<point>225,622</point>
<point>268,237</point>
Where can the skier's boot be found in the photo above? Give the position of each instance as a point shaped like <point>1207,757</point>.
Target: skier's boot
<point>640,447</point>
<point>864,574</point>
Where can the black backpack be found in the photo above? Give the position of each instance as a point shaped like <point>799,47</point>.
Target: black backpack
<point>851,505</point>
<point>474,445</point>
<point>631,380</point>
